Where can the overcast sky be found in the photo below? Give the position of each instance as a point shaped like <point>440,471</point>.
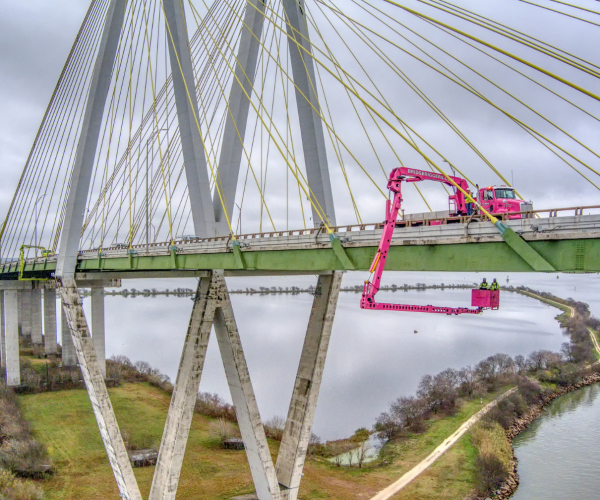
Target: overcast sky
<point>36,35</point>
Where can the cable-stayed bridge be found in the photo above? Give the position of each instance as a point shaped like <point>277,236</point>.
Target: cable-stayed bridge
<point>245,137</point>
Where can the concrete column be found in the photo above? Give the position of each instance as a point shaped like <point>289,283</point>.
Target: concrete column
<point>69,356</point>
<point>246,409</point>
<point>181,410</point>
<point>50,347</point>
<point>94,381</point>
<point>238,107</point>
<point>192,147</point>
<point>98,334</point>
<point>307,101</point>
<point>2,332</point>
<point>88,139</point>
<point>298,427</point>
<point>11,308</point>
<point>36,317</point>
<point>25,313</point>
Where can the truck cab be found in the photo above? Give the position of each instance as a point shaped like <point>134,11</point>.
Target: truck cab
<point>502,199</point>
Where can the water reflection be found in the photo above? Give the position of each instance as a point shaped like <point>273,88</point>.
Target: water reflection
<point>373,358</point>
<point>559,454</point>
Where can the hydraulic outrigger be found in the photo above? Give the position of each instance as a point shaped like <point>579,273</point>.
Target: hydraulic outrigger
<point>482,299</point>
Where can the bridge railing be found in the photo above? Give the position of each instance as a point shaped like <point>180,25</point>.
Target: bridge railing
<point>552,213</point>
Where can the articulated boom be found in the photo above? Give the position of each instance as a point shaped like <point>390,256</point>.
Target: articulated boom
<point>391,213</point>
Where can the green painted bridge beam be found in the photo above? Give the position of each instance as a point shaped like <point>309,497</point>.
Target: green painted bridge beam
<point>340,253</point>
<point>519,245</point>
<point>237,255</point>
<point>581,255</point>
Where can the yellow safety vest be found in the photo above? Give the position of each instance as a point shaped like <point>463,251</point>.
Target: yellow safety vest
<point>484,285</point>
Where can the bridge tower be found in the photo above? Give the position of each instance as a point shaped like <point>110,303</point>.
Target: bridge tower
<point>210,215</point>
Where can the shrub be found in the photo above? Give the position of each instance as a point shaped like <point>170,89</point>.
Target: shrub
<point>493,456</point>
<point>20,453</point>
<point>212,405</point>
<point>274,428</point>
<point>12,488</point>
<point>223,430</point>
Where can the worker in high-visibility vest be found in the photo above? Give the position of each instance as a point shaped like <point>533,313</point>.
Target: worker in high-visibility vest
<point>495,285</point>
<point>484,285</point>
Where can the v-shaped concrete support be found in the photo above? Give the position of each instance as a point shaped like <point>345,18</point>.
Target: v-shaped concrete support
<point>94,382</point>
<point>213,306</point>
<point>301,415</point>
<point>181,410</point>
<point>244,400</point>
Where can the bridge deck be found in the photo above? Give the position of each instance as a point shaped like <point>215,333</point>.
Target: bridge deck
<point>569,243</point>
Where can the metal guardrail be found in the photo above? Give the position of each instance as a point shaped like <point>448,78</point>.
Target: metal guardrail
<point>464,219</point>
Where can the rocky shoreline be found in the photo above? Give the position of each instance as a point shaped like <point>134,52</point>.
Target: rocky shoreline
<point>511,483</point>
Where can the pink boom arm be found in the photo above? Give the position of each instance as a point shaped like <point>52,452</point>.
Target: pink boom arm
<point>371,288</point>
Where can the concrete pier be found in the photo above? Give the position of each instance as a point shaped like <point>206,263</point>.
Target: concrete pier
<point>69,356</point>
<point>2,332</point>
<point>25,313</point>
<point>98,334</point>
<point>11,308</point>
<point>36,318</point>
<point>50,331</point>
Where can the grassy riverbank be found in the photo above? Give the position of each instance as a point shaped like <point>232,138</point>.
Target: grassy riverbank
<point>64,422</point>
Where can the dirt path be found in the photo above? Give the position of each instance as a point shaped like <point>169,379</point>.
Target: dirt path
<point>592,334</point>
<point>395,487</point>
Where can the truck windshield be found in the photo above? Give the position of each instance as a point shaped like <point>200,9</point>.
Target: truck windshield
<point>505,193</point>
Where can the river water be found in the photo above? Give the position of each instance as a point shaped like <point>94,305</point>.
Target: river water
<point>374,357</point>
<point>559,454</point>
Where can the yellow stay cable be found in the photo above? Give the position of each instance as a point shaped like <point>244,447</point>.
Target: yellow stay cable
<point>287,114</point>
<point>430,103</point>
<point>263,202</point>
<point>320,115</point>
<point>563,13</point>
<point>197,123</point>
<point>157,128</point>
<point>335,144</point>
<point>519,122</point>
<point>369,112</point>
<point>319,213</point>
<point>498,49</point>
<point>450,180</point>
<point>507,32</point>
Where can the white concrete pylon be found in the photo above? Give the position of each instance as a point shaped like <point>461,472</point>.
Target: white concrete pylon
<point>98,333</point>
<point>307,101</point>
<point>301,414</point>
<point>185,393</point>
<point>94,381</point>
<point>50,340</point>
<point>88,139</point>
<point>237,112</point>
<point>11,308</point>
<point>244,400</point>
<point>192,147</point>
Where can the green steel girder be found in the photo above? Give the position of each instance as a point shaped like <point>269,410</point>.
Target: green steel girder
<point>564,255</point>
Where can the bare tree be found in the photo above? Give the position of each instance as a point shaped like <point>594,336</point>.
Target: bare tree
<point>521,363</point>
<point>362,452</point>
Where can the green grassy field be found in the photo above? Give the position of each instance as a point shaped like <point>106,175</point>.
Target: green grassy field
<point>65,423</point>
